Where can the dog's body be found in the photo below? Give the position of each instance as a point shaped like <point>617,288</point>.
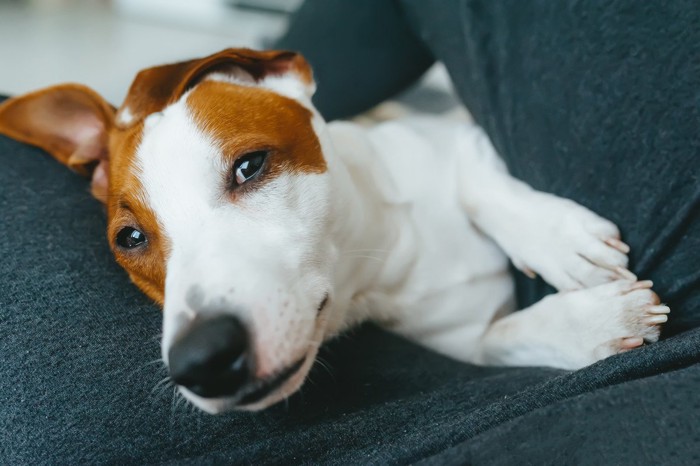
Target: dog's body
<point>416,263</point>
<point>421,265</point>
<point>264,231</point>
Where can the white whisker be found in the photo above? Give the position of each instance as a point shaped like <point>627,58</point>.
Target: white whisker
<point>351,251</point>
<point>361,256</point>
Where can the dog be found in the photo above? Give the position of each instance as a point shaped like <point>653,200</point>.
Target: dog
<point>264,231</point>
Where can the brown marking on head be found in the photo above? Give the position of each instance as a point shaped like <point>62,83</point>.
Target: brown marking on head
<point>155,88</point>
<point>126,208</point>
<point>244,119</point>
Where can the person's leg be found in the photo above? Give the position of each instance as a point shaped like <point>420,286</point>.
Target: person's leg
<point>637,408</point>
<point>362,52</point>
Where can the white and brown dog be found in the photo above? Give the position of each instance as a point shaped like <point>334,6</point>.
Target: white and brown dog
<point>263,231</point>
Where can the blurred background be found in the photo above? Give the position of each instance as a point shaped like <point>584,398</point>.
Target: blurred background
<point>104,43</point>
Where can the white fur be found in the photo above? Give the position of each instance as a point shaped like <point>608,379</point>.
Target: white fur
<point>286,85</point>
<point>125,117</point>
<point>395,231</point>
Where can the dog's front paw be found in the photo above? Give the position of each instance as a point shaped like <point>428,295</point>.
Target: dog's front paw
<point>569,246</point>
<point>631,315</point>
<point>606,320</point>
<point>573,329</point>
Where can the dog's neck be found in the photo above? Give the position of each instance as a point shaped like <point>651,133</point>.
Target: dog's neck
<point>365,228</point>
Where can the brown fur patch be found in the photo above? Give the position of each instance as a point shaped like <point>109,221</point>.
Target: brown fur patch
<point>243,119</point>
<point>125,208</point>
<point>155,88</point>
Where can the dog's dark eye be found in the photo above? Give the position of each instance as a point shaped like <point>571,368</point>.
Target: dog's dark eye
<point>129,238</point>
<point>248,166</point>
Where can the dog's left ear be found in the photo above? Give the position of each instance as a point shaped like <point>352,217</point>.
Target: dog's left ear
<point>69,121</point>
<point>153,89</point>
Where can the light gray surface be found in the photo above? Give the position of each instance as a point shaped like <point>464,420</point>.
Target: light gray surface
<point>104,44</point>
<point>92,43</point>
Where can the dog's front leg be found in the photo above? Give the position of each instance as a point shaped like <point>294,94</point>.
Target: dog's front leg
<point>576,328</point>
<point>567,244</point>
<point>601,308</point>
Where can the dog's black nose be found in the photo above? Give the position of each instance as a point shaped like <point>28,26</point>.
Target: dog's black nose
<point>212,358</point>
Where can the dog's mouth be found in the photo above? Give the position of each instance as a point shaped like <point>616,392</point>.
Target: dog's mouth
<point>259,393</point>
<point>259,390</point>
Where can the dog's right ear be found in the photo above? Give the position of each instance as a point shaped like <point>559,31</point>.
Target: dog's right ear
<point>71,122</point>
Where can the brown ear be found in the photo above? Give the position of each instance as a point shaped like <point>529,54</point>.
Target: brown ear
<point>71,122</point>
<point>155,88</point>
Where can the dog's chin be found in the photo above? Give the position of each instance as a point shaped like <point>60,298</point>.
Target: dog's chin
<point>238,403</point>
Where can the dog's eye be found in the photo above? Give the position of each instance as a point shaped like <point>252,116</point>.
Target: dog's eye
<point>129,238</point>
<point>248,166</point>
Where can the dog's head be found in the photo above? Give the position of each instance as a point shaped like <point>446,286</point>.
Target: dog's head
<point>215,182</point>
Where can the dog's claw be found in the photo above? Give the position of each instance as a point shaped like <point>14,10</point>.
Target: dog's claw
<point>632,342</point>
<point>626,274</point>
<point>663,309</point>
<point>656,319</point>
<point>641,285</point>
<point>617,244</point>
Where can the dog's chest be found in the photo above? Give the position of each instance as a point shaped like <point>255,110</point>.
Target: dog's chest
<point>441,268</point>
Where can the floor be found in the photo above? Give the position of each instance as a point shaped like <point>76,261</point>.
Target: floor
<point>104,43</point>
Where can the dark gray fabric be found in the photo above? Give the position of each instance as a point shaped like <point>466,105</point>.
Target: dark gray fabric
<point>641,409</point>
<point>652,420</point>
<point>579,102</point>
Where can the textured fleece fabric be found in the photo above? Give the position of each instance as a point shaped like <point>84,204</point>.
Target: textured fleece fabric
<point>597,101</point>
